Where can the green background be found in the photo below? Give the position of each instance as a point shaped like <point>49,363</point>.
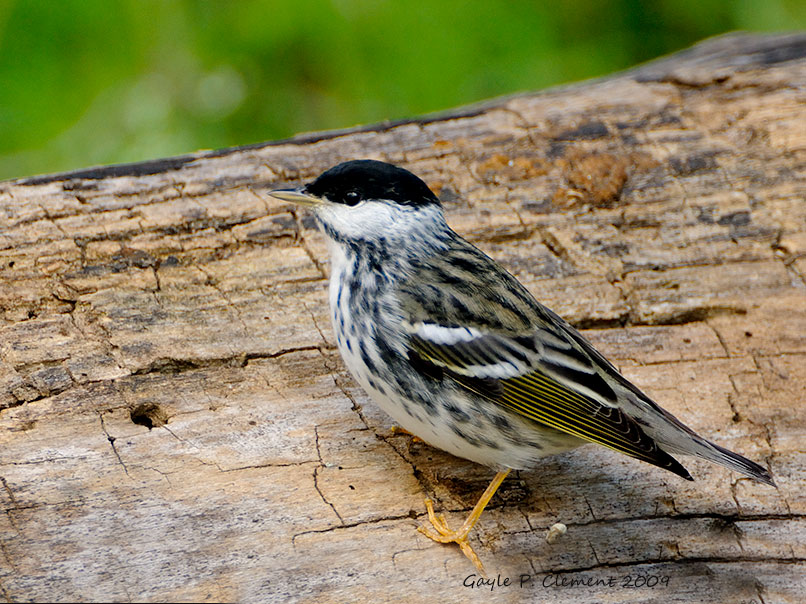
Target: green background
<point>86,82</point>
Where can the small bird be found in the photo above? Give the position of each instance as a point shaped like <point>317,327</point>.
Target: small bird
<point>460,354</point>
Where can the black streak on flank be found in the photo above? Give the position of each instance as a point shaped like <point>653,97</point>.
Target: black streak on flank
<point>366,358</point>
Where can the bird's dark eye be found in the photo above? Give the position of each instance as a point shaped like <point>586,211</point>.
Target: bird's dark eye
<point>352,197</point>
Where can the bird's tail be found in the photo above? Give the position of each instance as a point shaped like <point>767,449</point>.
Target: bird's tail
<point>736,462</point>
<point>719,455</point>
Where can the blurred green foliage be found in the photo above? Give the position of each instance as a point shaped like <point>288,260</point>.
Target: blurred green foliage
<point>87,82</point>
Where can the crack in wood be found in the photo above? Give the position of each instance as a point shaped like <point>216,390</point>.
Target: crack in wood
<point>316,476</point>
<point>112,440</point>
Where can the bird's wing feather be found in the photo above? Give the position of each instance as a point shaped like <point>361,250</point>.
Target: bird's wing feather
<point>509,373</point>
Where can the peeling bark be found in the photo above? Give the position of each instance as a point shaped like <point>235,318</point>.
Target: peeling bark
<point>175,423</point>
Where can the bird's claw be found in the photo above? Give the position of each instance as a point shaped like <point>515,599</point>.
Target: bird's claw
<point>444,534</point>
<point>395,430</point>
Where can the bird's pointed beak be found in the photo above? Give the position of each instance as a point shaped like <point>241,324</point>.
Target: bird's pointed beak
<point>296,196</point>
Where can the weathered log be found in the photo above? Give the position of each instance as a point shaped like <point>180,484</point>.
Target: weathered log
<point>176,425</point>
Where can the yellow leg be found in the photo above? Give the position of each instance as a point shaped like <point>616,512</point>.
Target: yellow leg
<point>446,535</point>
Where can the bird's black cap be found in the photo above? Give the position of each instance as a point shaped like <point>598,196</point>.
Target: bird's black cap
<point>363,179</point>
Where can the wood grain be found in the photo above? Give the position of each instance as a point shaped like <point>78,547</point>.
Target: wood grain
<point>175,424</point>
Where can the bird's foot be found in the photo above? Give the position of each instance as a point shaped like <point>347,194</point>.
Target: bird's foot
<point>444,534</point>
<point>395,430</point>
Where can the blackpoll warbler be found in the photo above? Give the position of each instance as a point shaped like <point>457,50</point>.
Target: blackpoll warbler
<point>460,354</point>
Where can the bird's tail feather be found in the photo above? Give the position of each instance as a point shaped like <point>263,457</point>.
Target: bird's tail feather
<point>724,457</point>
<point>683,440</point>
<point>736,462</point>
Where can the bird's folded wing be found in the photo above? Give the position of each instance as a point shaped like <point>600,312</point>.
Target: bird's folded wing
<point>539,376</point>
